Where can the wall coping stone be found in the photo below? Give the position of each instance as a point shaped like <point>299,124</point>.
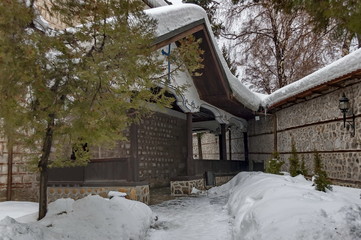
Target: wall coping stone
<point>99,183</point>
<point>186,178</point>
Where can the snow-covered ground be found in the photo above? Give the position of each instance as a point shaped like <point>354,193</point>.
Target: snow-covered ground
<point>268,206</point>
<point>17,209</point>
<point>252,206</point>
<point>91,218</point>
<point>200,218</point>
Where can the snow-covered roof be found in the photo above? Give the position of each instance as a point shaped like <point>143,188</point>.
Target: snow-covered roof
<point>173,17</point>
<point>335,70</point>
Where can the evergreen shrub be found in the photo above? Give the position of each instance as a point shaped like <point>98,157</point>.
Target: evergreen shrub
<point>274,164</point>
<point>320,180</point>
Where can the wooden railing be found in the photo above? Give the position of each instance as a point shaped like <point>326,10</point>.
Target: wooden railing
<point>219,166</point>
<point>97,172</point>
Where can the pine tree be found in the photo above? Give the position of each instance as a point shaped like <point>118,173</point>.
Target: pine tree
<point>304,171</point>
<point>60,90</point>
<point>294,167</point>
<point>274,164</point>
<point>320,176</point>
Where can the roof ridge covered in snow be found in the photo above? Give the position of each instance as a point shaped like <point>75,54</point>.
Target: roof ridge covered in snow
<point>336,70</point>
<point>173,17</point>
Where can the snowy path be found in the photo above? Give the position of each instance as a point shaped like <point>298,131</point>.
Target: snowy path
<point>192,218</point>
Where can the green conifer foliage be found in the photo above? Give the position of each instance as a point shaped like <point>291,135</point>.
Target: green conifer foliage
<point>294,167</point>
<point>320,176</point>
<point>345,14</point>
<point>304,171</point>
<point>84,84</point>
<point>274,164</point>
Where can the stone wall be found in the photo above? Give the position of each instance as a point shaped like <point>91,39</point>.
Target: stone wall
<point>220,180</point>
<point>210,146</point>
<point>260,139</point>
<point>24,182</point>
<point>161,154</point>
<point>162,149</point>
<point>184,187</point>
<point>315,124</point>
<point>138,193</point>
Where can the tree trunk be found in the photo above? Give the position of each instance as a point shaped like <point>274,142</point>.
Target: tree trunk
<point>347,44</point>
<point>10,171</point>
<point>43,166</point>
<point>279,52</point>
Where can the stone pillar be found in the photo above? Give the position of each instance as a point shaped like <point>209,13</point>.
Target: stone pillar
<point>223,143</point>
<point>190,163</point>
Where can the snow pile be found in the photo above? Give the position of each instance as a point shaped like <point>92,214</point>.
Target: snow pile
<point>16,209</point>
<point>112,194</point>
<point>89,218</point>
<point>267,206</point>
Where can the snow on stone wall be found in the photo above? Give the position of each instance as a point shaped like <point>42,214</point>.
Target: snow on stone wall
<point>315,124</point>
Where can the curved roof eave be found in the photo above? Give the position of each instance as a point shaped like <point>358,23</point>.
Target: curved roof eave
<point>171,18</point>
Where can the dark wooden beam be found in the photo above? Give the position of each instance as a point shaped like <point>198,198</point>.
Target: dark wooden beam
<point>190,163</point>
<point>218,65</point>
<point>178,34</point>
<point>230,144</point>
<point>223,143</point>
<point>246,150</point>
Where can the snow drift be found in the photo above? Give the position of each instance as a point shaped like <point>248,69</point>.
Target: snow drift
<point>90,218</point>
<point>268,206</point>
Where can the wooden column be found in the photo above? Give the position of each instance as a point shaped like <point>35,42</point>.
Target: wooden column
<point>230,144</point>
<point>246,151</point>
<point>199,139</point>
<point>190,163</point>
<point>223,143</point>
<point>133,165</point>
